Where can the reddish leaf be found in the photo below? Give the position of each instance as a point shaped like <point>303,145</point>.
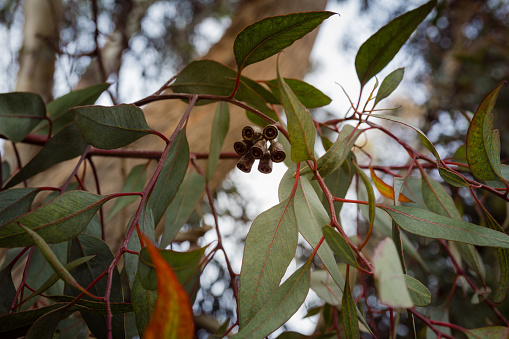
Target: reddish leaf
<point>386,190</point>
<point>173,316</point>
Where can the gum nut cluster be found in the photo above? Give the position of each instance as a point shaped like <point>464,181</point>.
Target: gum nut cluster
<point>254,146</point>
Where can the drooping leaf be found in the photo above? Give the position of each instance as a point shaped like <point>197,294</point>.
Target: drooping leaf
<point>59,220</point>
<point>111,127</point>
<point>171,176</point>
<point>349,312</point>
<point>182,206</point>
<point>280,306</point>
<point>338,183</point>
<point>144,302</point>
<point>95,306</point>
<point>376,52</point>
<point>337,153</point>
<point>5,169</point>
<point>15,202</point>
<point>65,145</point>
<point>220,127</point>
<point>268,36</point>
<point>308,95</point>
<point>483,143</point>
<point>19,113</point>
<point>339,246</point>
<point>59,109</point>
<point>300,124</point>
<point>371,196</point>
<point>391,284</point>
<point>419,294</point>
<point>437,199</point>
<point>452,178</point>
<point>270,247</point>
<point>173,316</point>
<point>135,182</point>
<point>389,84</point>
<point>326,288</point>
<point>8,290</point>
<point>424,139</point>
<point>45,326</point>
<point>385,189</point>
<point>86,245</point>
<point>428,224</point>
<point>492,332</point>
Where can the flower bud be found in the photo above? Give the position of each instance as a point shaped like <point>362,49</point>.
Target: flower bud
<point>242,147</point>
<point>265,165</point>
<point>258,149</point>
<point>245,163</point>
<point>270,132</point>
<point>277,153</point>
<point>252,133</point>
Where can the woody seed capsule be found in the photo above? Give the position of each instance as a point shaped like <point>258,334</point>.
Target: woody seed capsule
<point>270,132</point>
<point>265,165</point>
<point>258,149</point>
<point>252,133</point>
<point>242,147</point>
<point>277,153</point>
<point>245,163</point>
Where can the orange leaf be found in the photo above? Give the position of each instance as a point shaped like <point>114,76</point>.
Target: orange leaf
<point>386,190</point>
<point>173,316</point>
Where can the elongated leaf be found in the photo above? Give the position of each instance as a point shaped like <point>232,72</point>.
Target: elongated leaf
<point>135,182</point>
<point>339,246</point>
<point>391,285</point>
<point>389,84</point>
<point>267,37</point>
<point>419,294</point>
<point>371,196</point>
<point>173,316</point>
<point>220,127</point>
<point>483,143</point>
<point>424,139</point>
<point>431,225</point>
<point>144,302</point>
<point>452,178</point>
<point>19,114</point>
<point>59,109</point>
<point>337,153</point>
<point>270,247</point>
<point>45,326</point>
<point>183,205</point>
<point>65,145</point>
<point>95,306</point>
<point>308,95</point>
<point>285,301</point>
<point>376,52</point>
<point>338,183</point>
<point>59,220</point>
<point>492,332</point>
<point>85,245</point>
<point>8,290</point>
<point>385,189</point>
<point>171,176</point>
<point>111,127</point>
<point>326,288</point>
<point>300,124</point>
<point>15,202</point>
<point>349,312</point>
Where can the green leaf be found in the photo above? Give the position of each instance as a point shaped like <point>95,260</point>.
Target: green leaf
<point>483,143</point>
<point>59,220</point>
<point>424,139</point>
<point>267,37</point>
<point>308,95</point>
<point>182,206</point>
<point>111,127</point>
<point>16,322</point>
<point>419,294</point>
<point>8,290</point>
<point>15,202</point>
<point>338,183</point>
<point>389,84</point>
<point>349,312</point>
<point>339,246</point>
<point>492,332</point>
<point>391,285</point>
<point>300,124</point>
<point>171,176</point>
<point>452,178</point>
<point>428,224</point>
<point>85,245</point>
<point>59,109</point>
<point>16,112</point>
<point>326,288</point>
<point>5,170</point>
<point>45,326</point>
<point>371,195</point>
<point>337,153</point>
<point>65,145</point>
<point>437,199</point>
<point>220,127</point>
<point>279,306</point>
<point>376,52</point>
<point>135,182</point>
<point>94,306</point>
<point>270,247</point>
<point>143,303</point>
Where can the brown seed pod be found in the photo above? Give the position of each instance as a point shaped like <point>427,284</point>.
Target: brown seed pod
<point>270,132</point>
<point>277,153</point>
<point>252,133</point>
<point>242,147</point>
<point>258,149</point>
<point>245,163</point>
<point>265,165</point>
